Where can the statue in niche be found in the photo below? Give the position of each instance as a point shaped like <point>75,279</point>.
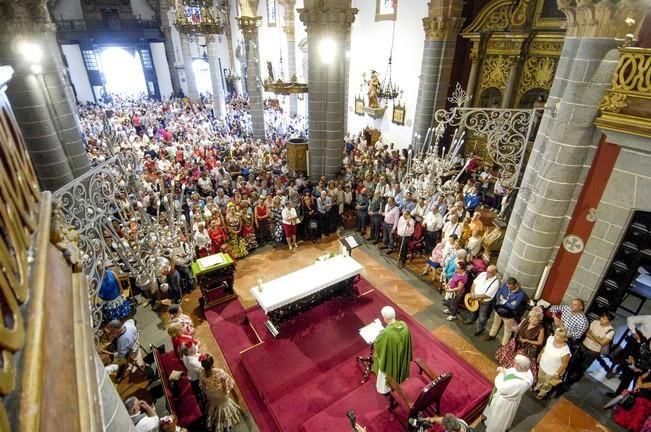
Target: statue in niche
<point>373,89</point>
<point>270,70</point>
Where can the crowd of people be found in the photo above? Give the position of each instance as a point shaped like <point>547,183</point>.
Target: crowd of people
<point>234,194</point>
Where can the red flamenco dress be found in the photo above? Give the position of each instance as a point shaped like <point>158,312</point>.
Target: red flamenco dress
<point>218,236</point>
<point>636,416</point>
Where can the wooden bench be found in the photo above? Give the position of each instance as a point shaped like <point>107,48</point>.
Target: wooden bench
<point>183,403</point>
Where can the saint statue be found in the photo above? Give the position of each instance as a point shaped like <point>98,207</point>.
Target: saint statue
<point>373,90</point>
<point>270,70</point>
<point>393,351</point>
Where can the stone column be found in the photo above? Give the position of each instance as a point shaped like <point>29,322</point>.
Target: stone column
<point>441,26</point>
<point>249,26</point>
<point>290,34</point>
<point>38,94</point>
<point>567,137</point>
<point>193,93</point>
<point>474,73</point>
<point>327,23</point>
<point>166,28</point>
<point>511,83</point>
<point>218,100</point>
<point>59,94</point>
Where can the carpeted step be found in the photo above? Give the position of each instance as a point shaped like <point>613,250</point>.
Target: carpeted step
<point>311,368</point>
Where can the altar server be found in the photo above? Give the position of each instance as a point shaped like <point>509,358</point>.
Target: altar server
<point>510,385</point>
<point>393,351</point>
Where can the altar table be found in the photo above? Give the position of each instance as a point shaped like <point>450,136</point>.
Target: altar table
<point>289,295</point>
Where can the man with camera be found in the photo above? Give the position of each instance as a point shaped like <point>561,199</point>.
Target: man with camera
<point>449,422</point>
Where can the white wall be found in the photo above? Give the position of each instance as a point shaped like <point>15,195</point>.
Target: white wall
<point>141,9</point>
<point>370,45</point>
<point>78,74</point>
<point>68,10</point>
<point>162,70</point>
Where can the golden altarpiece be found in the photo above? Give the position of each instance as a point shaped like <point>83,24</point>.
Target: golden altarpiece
<point>516,46</point>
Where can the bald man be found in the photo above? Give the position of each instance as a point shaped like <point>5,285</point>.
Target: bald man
<point>483,290</point>
<point>393,351</point>
<point>510,385</point>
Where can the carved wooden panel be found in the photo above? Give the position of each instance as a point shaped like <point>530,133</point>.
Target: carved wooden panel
<point>18,198</point>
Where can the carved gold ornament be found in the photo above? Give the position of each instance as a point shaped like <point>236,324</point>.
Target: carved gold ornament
<point>18,196</point>
<point>521,14</point>
<point>633,72</point>
<point>493,17</point>
<point>538,73</point>
<point>546,47</point>
<point>495,72</point>
<point>613,102</point>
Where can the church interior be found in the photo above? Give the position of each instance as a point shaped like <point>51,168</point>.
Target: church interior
<point>325,215</point>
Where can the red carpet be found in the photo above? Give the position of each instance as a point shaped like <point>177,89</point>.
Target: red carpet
<point>307,378</point>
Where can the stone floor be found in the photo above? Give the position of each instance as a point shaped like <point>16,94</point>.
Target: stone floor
<point>578,410</point>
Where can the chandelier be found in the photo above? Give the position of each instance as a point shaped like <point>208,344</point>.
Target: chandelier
<point>506,131</point>
<point>193,17</point>
<point>389,90</point>
<point>428,167</point>
<point>280,86</point>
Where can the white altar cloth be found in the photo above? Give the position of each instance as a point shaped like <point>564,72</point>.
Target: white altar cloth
<point>304,282</point>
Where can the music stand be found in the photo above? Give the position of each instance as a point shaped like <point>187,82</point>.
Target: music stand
<point>350,242</point>
<point>369,333</point>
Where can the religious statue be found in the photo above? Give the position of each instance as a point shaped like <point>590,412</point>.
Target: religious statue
<point>373,90</point>
<point>270,71</point>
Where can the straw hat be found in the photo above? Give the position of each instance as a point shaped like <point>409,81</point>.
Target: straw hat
<point>471,304</point>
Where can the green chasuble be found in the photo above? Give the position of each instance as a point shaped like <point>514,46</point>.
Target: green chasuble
<point>393,351</point>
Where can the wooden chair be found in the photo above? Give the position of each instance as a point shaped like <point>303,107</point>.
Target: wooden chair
<point>419,394</point>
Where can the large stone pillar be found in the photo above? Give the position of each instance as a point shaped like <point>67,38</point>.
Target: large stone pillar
<point>193,92</point>
<point>328,24</point>
<point>166,27</point>
<point>290,34</point>
<point>38,94</point>
<point>249,26</point>
<point>64,108</point>
<point>567,137</point>
<point>218,100</point>
<point>441,26</point>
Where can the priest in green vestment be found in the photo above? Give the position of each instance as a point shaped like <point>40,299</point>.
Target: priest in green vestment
<point>393,352</point>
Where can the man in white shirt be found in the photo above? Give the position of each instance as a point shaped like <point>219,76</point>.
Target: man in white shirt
<point>143,416</point>
<point>391,216</point>
<point>453,226</point>
<point>483,290</point>
<point>205,184</point>
<point>641,324</point>
<point>433,223</point>
<point>404,229</point>
<point>202,240</point>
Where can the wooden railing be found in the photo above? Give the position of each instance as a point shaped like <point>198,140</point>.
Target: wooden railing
<point>626,106</point>
<point>48,379</point>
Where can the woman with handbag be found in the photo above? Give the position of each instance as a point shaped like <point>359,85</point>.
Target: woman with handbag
<point>552,363</point>
<point>596,343</point>
<point>530,336</point>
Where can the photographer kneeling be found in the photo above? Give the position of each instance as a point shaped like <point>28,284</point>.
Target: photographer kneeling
<point>449,422</point>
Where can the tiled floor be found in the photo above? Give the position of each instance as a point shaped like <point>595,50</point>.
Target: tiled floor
<point>566,416</point>
<point>578,410</point>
